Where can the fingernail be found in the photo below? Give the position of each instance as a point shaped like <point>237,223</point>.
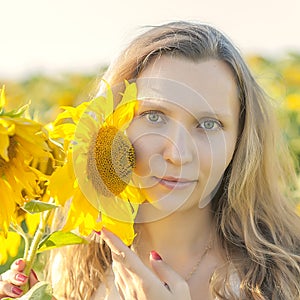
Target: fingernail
<point>21,277</point>
<point>18,261</point>
<point>154,255</point>
<point>34,274</point>
<point>16,290</point>
<point>97,232</point>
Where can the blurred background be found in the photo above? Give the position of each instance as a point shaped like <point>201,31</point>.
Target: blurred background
<point>52,52</point>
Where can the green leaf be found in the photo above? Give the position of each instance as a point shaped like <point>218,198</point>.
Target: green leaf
<point>16,113</point>
<point>60,239</point>
<point>36,206</point>
<point>41,290</point>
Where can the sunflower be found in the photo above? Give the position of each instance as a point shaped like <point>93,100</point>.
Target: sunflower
<point>292,102</point>
<point>21,140</point>
<point>99,164</point>
<point>9,246</point>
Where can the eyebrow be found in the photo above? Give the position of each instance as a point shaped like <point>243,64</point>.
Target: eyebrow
<point>156,104</point>
<point>153,104</point>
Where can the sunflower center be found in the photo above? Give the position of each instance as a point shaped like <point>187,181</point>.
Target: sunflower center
<point>11,152</point>
<point>111,161</point>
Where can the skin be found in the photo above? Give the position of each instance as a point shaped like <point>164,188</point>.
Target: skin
<point>177,137</point>
<point>184,133</point>
<point>186,128</point>
<point>12,280</point>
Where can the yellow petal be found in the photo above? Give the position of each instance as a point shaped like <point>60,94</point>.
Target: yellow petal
<point>82,215</point>
<point>89,224</point>
<point>3,251</point>
<point>7,206</point>
<point>123,115</point>
<point>106,103</point>
<point>61,184</point>
<point>9,246</point>
<point>118,209</point>
<point>88,127</point>
<point>70,112</point>
<point>4,143</point>
<point>27,128</point>
<point>124,112</point>
<point>12,243</point>
<point>124,230</point>
<point>132,193</point>
<point>130,93</point>
<point>32,222</point>
<point>65,131</point>
<point>25,179</point>
<point>7,126</point>
<point>32,149</point>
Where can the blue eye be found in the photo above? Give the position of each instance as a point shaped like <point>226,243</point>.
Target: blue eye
<point>210,124</point>
<point>153,116</point>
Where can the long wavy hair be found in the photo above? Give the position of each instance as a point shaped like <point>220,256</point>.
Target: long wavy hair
<point>253,209</point>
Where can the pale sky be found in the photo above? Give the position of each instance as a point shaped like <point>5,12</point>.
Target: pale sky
<point>82,35</point>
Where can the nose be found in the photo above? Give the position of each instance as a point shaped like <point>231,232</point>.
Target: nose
<point>179,147</point>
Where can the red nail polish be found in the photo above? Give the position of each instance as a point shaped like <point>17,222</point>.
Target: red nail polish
<point>16,290</point>
<point>21,277</point>
<point>97,232</point>
<point>18,261</point>
<point>155,255</point>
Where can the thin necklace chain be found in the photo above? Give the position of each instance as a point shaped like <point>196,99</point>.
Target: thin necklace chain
<point>196,266</point>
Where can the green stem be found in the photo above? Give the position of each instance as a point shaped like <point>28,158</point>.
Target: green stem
<point>31,253</point>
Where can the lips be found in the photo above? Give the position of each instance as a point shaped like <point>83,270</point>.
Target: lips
<point>170,182</point>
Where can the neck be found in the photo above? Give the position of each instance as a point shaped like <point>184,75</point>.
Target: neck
<point>178,237</point>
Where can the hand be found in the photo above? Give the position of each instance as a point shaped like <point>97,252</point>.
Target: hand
<point>135,281</point>
<point>12,280</point>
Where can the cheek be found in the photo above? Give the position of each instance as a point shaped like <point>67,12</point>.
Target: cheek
<point>215,155</point>
<point>214,158</point>
<point>143,155</point>
<point>147,151</point>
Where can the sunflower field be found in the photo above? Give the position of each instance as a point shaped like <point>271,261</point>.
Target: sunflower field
<point>280,78</point>
<point>37,100</point>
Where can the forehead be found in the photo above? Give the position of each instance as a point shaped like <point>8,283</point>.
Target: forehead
<point>195,86</point>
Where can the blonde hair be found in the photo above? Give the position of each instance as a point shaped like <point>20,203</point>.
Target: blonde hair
<point>254,214</point>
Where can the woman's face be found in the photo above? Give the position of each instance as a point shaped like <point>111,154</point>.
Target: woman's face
<point>184,131</point>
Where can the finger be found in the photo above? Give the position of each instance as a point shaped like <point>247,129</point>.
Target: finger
<point>14,277</point>
<point>126,290</point>
<point>173,280</point>
<point>33,279</point>
<point>118,267</point>
<point>120,291</point>
<point>18,265</point>
<point>114,242</point>
<point>118,271</point>
<point>122,253</point>
<point>119,282</point>
<point>125,280</point>
<point>9,290</point>
<point>130,261</point>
